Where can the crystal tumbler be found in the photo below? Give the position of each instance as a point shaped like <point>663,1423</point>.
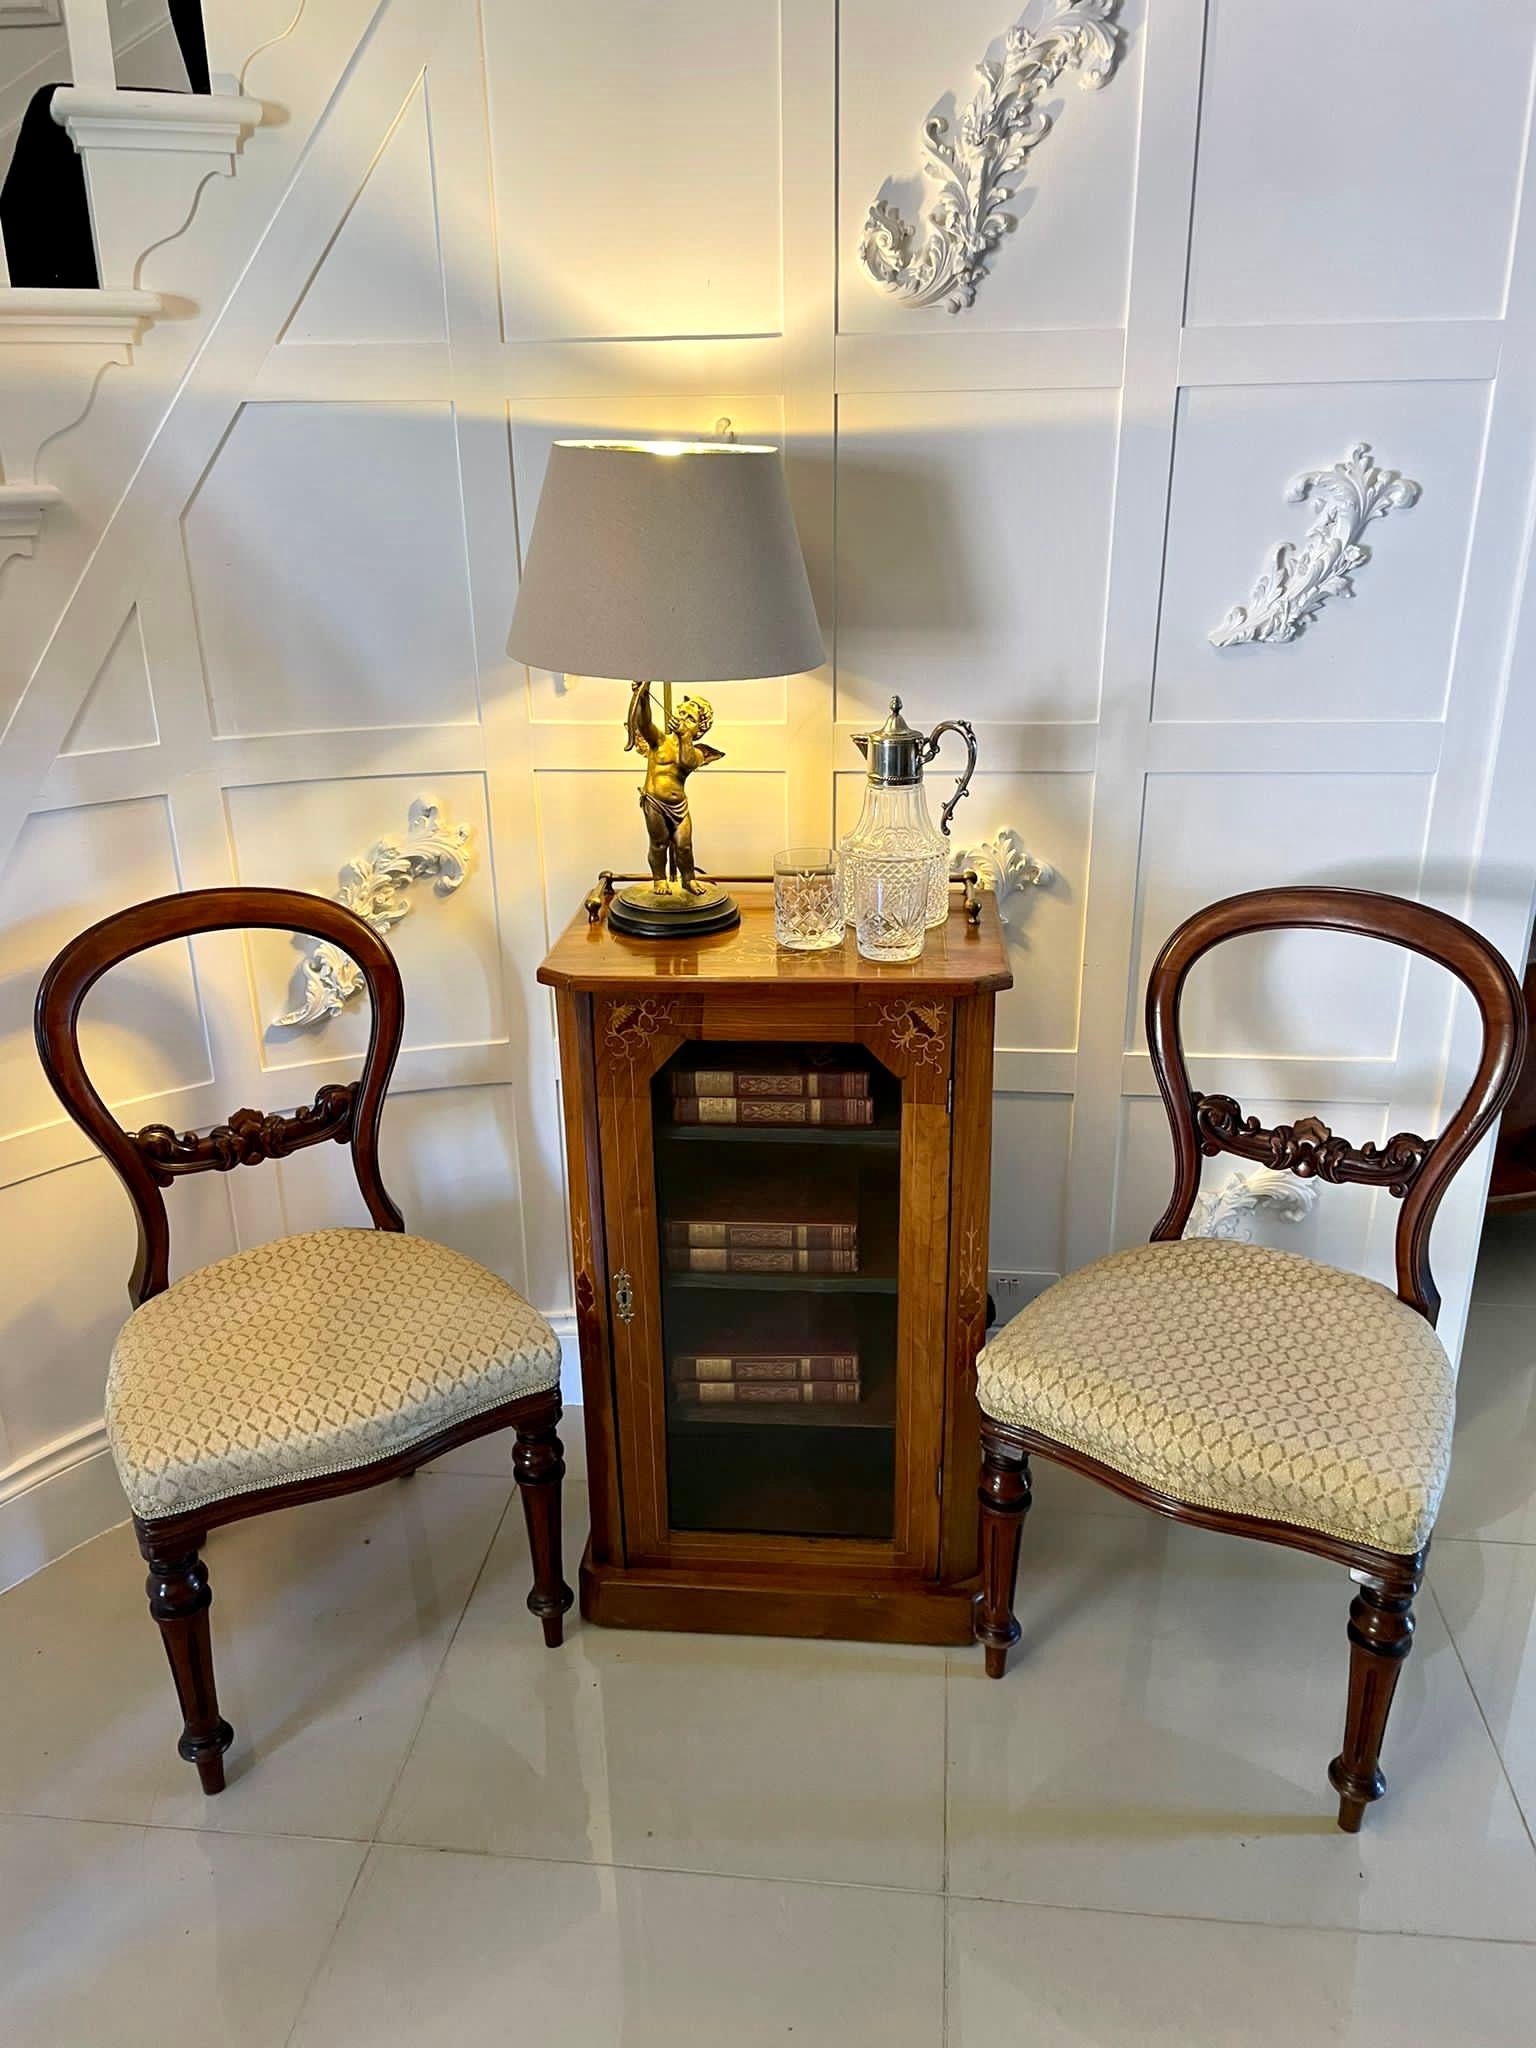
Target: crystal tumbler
<point>890,904</point>
<point>807,899</point>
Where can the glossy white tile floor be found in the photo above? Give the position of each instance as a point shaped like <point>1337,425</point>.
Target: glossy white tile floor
<point>436,1831</point>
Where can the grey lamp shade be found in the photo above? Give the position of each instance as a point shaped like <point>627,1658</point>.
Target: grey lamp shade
<point>668,561</point>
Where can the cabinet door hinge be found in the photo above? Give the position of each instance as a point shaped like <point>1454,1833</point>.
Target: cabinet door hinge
<point>938,1479</point>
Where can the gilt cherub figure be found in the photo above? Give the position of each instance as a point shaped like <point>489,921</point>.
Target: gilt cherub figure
<point>670,758</point>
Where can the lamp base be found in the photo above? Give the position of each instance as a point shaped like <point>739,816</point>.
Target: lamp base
<point>649,913</point>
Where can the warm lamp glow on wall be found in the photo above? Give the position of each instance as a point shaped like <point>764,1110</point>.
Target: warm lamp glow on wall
<point>673,561</point>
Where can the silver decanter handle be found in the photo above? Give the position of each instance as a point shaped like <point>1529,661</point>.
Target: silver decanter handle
<point>966,731</point>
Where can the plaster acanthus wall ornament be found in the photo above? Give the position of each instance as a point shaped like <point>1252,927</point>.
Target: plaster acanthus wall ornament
<point>1003,864</point>
<point>1231,1210</point>
<point>374,885</point>
<point>1300,579</point>
<point>976,167</point>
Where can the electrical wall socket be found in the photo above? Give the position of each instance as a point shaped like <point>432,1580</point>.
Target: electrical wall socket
<point>1011,1291</point>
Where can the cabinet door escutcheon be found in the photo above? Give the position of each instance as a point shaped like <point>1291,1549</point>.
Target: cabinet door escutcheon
<point>623,1296</point>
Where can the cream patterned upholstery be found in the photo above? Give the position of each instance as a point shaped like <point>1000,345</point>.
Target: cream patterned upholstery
<point>309,1355</point>
<point>1238,1377</point>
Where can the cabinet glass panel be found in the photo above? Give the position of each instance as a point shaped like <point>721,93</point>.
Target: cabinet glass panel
<point>778,1202</point>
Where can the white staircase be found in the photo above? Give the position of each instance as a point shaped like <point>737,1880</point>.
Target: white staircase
<point>145,155</point>
<point>55,342</point>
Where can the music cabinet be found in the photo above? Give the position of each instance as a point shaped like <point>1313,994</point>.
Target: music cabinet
<point>815,1509</point>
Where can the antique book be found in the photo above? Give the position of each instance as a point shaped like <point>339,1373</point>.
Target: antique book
<point>763,1236</point>
<point>750,1109</point>
<point>770,1082</point>
<point>810,1393</point>
<point>690,1368</point>
<point>732,1259</point>
<point>812,1211</point>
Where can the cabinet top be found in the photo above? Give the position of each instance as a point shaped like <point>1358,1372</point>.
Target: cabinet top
<point>959,958</point>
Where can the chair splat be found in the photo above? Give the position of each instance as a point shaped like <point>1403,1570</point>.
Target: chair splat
<point>1308,1148</point>
<point>249,1137</point>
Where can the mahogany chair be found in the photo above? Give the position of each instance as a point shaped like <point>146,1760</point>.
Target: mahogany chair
<point>310,1366</point>
<point>1252,1390</point>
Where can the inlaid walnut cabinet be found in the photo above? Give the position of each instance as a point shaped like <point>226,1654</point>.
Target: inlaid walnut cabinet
<point>853,1517</point>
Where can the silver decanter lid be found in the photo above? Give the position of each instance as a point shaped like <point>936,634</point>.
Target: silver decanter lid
<point>894,752</point>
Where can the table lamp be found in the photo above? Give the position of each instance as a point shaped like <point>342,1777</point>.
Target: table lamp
<point>675,560</point>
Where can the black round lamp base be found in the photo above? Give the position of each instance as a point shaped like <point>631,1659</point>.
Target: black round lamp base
<point>651,914</point>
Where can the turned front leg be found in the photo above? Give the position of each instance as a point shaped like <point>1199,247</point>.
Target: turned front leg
<point>179,1599</point>
<point>538,1466</point>
<point>1380,1638</point>
<point>1004,1495</point>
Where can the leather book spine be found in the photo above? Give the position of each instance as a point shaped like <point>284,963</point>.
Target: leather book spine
<point>759,1237</point>
<point>694,1081</point>
<point>803,1393</point>
<point>725,1259</point>
<point>832,1365</point>
<point>737,1109</point>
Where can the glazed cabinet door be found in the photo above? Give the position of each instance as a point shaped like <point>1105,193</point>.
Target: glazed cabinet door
<point>775,1181</point>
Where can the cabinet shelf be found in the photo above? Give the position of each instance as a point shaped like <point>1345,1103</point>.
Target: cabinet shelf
<point>785,1283</point>
<point>881,1136</point>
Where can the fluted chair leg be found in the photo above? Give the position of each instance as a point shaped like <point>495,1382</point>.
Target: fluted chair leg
<point>1380,1638</point>
<point>538,1465</point>
<point>1004,1494</point>
<point>179,1599</point>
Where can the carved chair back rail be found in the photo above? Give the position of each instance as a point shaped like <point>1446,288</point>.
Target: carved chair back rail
<point>1415,1170</point>
<point>146,1161</point>
<point>204,1431</point>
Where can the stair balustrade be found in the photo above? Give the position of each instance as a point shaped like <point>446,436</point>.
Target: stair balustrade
<point>97,178</point>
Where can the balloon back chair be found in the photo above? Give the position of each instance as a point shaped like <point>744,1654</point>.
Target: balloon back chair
<point>310,1366</point>
<point>1252,1390</point>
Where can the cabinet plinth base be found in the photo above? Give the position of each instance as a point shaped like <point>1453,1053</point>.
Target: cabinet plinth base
<point>870,1609</point>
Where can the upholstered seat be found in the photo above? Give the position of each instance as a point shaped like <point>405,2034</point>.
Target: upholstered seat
<point>309,1355</point>
<point>1238,1377</point>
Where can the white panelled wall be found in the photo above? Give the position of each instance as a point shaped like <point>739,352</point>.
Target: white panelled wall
<point>1269,236</point>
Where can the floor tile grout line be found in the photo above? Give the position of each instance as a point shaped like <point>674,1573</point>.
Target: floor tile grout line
<point>944,1934</point>
<point>944,1863</point>
<point>1035,1905</point>
<point>324,1956</point>
<point>851,1884</point>
<point>372,1843</point>
<point>182,1827</point>
<point>474,1587</point>
<point>960,1898</point>
<point>1450,1636</point>
<point>944,1800</point>
<point>1356,1933</point>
